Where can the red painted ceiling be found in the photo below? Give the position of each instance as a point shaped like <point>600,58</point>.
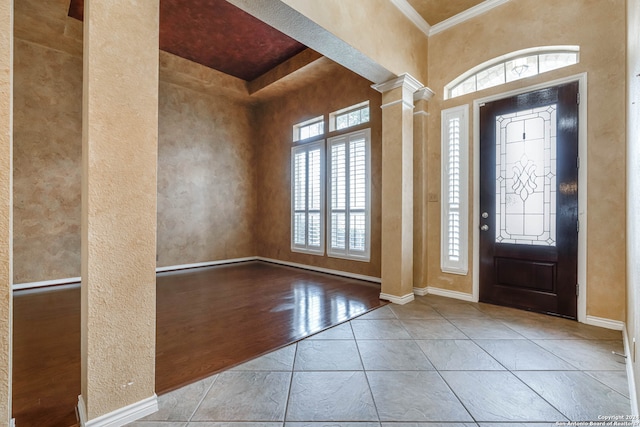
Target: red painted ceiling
<point>218,35</point>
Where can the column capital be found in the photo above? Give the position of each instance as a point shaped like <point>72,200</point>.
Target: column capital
<point>406,81</point>
<point>423,94</point>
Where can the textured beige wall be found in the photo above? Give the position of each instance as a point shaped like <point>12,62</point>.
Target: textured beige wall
<point>119,158</point>
<point>47,163</point>
<point>379,31</point>
<point>206,178</point>
<point>633,186</point>
<point>200,108</point>
<point>46,23</point>
<point>6,156</point>
<point>529,23</point>
<point>276,118</point>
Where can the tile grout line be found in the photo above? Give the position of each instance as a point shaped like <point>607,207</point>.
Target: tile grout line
<point>606,385</point>
<point>286,406</point>
<point>366,377</point>
<point>204,396</point>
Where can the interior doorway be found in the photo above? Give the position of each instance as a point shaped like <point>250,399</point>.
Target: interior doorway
<point>528,243</point>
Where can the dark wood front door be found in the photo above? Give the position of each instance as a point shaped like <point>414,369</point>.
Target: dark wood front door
<point>529,201</point>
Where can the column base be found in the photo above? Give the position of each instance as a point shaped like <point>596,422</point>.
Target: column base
<point>396,299</point>
<point>121,416</point>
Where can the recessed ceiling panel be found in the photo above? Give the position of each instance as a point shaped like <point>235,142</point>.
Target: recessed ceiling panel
<point>218,35</point>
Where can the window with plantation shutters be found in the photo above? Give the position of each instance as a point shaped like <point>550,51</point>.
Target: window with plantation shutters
<point>454,233</point>
<point>307,201</point>
<point>348,215</point>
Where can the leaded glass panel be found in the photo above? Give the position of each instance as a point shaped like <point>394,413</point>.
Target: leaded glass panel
<point>526,177</point>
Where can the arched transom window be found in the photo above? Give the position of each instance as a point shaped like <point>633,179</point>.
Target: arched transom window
<point>512,66</point>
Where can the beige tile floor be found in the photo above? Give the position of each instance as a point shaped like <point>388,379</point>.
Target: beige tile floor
<point>434,362</point>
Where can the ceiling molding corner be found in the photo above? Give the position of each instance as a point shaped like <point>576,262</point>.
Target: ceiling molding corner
<point>477,10</point>
<point>417,19</point>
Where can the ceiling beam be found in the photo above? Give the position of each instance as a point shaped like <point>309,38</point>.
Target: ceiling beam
<point>283,70</point>
<point>297,26</point>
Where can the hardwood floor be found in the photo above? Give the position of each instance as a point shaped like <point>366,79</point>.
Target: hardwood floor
<point>208,320</point>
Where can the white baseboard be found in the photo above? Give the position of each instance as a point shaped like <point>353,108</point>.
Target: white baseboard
<point>321,270</point>
<point>75,280</point>
<point>121,416</point>
<point>397,300</point>
<point>633,392</point>
<point>421,291</point>
<point>45,283</point>
<point>604,323</point>
<point>12,423</point>
<point>204,264</point>
<point>449,294</point>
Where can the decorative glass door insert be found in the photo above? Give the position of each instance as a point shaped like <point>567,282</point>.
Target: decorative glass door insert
<point>526,177</point>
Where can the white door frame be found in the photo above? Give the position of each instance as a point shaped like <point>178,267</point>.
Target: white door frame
<point>582,183</point>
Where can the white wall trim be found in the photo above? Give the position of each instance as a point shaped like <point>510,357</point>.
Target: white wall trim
<point>45,283</point>
<point>77,280</point>
<point>450,294</point>
<point>12,423</point>
<point>405,80</point>
<point>421,291</point>
<point>322,270</point>
<point>204,264</point>
<point>582,179</point>
<point>120,416</point>
<point>478,10</point>
<point>397,300</point>
<point>601,322</point>
<point>423,94</point>
<point>417,19</point>
<point>396,102</point>
<point>633,392</point>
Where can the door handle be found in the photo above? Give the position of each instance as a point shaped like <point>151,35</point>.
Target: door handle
<point>484,227</point>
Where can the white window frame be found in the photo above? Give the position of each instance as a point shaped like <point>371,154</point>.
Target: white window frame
<point>333,117</point>
<point>307,123</point>
<point>347,253</point>
<point>317,145</point>
<point>524,53</point>
<point>459,264</point>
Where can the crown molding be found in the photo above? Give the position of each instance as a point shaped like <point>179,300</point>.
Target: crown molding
<point>417,19</point>
<point>477,10</point>
<point>403,80</point>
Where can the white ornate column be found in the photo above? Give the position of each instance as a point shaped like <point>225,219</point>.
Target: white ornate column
<point>397,188</point>
<point>6,209</point>
<point>119,162</point>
